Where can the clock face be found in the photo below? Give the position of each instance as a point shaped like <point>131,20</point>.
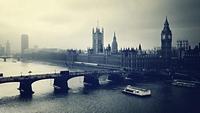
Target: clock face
<point>166,37</point>
<point>163,37</point>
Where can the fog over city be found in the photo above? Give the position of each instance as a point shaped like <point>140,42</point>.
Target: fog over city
<point>68,23</point>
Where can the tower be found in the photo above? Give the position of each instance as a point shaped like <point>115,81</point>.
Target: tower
<point>24,43</point>
<point>108,50</point>
<point>98,40</point>
<point>166,43</point>
<point>114,45</point>
<point>140,47</point>
<point>7,48</point>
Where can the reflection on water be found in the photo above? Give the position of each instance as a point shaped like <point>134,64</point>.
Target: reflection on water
<point>79,99</point>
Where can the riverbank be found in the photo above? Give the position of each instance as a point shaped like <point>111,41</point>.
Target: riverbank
<point>141,75</point>
<point>63,64</point>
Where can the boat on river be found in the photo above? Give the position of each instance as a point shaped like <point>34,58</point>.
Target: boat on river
<point>183,83</point>
<point>136,91</point>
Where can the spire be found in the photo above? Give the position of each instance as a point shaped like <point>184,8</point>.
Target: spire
<point>114,38</point>
<point>166,29</point>
<point>97,27</point>
<point>140,47</point>
<point>166,22</point>
<point>93,30</point>
<point>114,44</point>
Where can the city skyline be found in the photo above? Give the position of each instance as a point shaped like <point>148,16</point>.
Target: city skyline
<point>135,22</point>
<point>99,56</point>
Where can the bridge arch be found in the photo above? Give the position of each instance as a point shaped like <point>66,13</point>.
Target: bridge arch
<point>43,86</point>
<point>9,89</point>
<point>76,82</point>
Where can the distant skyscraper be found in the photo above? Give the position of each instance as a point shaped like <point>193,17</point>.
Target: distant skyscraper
<point>7,48</point>
<point>98,40</point>
<point>114,45</point>
<point>24,43</point>
<point>2,50</point>
<point>166,42</point>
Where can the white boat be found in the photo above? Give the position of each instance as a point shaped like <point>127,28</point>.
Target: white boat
<point>136,91</point>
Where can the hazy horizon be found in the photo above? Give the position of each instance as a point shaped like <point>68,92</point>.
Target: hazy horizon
<point>68,24</point>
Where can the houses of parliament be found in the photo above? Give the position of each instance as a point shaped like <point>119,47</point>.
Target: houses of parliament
<point>181,57</point>
<point>137,59</point>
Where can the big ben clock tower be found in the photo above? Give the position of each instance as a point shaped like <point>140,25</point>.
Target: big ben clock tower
<point>166,43</point>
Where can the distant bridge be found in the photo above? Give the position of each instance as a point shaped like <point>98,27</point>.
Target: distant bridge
<point>6,57</point>
<point>60,79</point>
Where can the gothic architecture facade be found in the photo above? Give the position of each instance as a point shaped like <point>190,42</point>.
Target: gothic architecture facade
<point>114,48</point>
<point>166,44</point>
<point>98,41</point>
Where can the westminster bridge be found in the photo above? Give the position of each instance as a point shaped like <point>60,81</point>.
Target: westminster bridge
<point>60,79</point>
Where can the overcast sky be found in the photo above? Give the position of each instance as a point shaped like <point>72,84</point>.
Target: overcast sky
<point>68,23</point>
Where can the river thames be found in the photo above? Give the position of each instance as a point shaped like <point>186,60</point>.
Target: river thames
<point>105,99</point>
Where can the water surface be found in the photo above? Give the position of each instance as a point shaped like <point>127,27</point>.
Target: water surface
<point>106,99</point>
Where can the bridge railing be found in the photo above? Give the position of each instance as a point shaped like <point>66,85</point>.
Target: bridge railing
<point>53,75</point>
<point>22,77</point>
